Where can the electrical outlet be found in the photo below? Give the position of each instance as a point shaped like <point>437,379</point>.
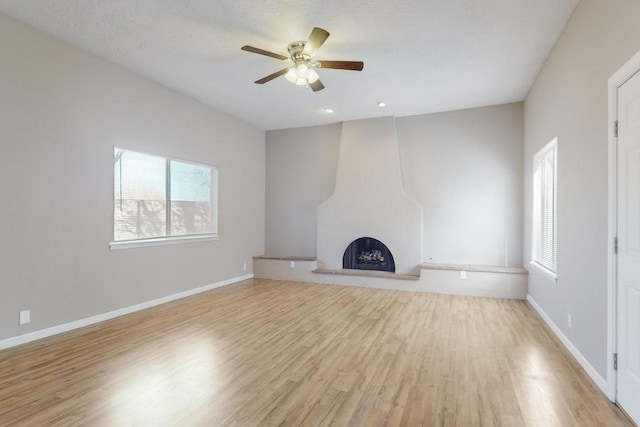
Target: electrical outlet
<point>463,275</point>
<point>569,320</point>
<point>244,265</point>
<point>25,317</point>
<point>292,264</point>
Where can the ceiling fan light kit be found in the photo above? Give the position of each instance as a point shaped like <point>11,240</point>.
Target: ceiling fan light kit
<point>303,72</point>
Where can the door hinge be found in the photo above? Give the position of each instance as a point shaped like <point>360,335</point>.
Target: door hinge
<point>615,361</point>
<point>615,245</point>
<point>615,128</point>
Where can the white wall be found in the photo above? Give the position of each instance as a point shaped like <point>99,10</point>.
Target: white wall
<point>463,167</point>
<point>301,174</point>
<point>61,113</point>
<point>569,100</point>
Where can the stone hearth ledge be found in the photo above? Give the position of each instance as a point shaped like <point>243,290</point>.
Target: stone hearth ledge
<point>367,273</point>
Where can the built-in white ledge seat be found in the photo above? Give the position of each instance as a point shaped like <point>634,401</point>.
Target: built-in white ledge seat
<point>453,279</point>
<point>478,268</point>
<point>286,257</point>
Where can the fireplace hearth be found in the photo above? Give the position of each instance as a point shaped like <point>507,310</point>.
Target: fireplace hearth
<point>367,253</point>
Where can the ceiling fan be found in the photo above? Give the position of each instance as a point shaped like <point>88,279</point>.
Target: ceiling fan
<point>303,72</point>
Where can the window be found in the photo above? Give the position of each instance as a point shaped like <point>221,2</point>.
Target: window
<point>544,207</point>
<point>160,199</point>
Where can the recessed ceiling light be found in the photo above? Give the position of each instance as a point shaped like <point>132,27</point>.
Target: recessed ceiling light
<point>328,110</point>
<point>382,104</point>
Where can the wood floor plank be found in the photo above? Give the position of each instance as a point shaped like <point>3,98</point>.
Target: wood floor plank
<point>267,352</point>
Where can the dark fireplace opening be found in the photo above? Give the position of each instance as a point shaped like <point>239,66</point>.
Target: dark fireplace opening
<point>367,253</point>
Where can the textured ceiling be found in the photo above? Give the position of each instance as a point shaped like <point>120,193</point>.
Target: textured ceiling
<point>420,56</point>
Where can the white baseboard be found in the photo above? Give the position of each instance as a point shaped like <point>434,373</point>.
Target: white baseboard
<point>589,369</point>
<point>65,327</point>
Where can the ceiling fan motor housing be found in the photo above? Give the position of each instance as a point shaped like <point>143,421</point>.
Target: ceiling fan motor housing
<point>295,52</point>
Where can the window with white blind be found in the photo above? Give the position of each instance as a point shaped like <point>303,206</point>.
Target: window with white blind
<point>158,199</point>
<point>544,207</point>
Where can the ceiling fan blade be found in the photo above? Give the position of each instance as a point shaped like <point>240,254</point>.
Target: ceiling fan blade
<point>264,52</point>
<point>272,76</point>
<point>316,39</point>
<point>316,86</point>
<point>342,65</point>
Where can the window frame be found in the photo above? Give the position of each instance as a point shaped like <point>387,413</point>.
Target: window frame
<point>169,239</point>
<point>539,188</point>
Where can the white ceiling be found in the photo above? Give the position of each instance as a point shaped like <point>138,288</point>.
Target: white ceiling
<point>420,56</point>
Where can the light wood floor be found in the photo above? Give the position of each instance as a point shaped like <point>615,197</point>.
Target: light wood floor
<point>267,352</point>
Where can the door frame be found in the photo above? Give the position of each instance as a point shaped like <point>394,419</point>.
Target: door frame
<point>620,77</point>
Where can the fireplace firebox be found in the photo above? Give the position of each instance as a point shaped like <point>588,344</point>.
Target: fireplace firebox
<point>367,253</point>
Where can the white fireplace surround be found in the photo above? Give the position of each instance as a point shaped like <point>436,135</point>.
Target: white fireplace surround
<point>369,199</point>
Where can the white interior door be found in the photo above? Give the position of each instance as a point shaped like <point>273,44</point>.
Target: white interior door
<point>628,390</point>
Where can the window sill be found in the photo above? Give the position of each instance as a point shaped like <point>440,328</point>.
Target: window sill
<point>545,271</point>
<point>128,244</point>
